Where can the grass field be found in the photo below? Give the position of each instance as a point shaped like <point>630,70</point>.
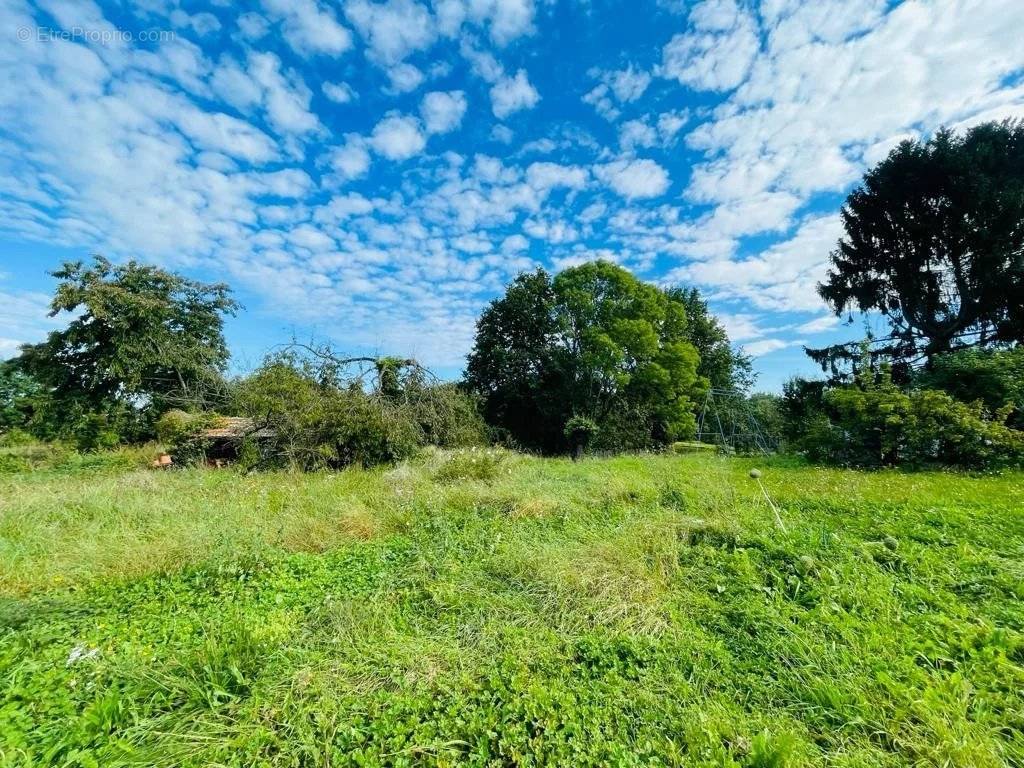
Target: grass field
<point>490,609</point>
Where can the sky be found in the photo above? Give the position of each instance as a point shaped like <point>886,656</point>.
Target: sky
<point>373,173</point>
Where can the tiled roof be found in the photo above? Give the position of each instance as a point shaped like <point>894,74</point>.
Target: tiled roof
<point>236,427</point>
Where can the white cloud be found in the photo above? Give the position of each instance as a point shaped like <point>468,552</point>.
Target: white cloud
<point>220,132</point>
<point>24,320</point>
<point>202,23</point>
<point>767,346</point>
<point>782,277</point>
<point>512,94</point>
<point>393,29</point>
<point>502,134</point>
<point>832,89</point>
<point>634,178</point>
<point>352,159</point>
<point>482,63</point>
<point>546,176</point>
<point>670,123</point>
<point>339,93</point>
<point>342,207</point>
<point>442,111</point>
<point>253,26</point>
<point>285,97</point>
<point>599,97</point>
<point>819,324</point>
<point>514,244</point>
<point>404,77</point>
<point>398,138</point>
<point>652,130</point>
<point>311,238</point>
<point>506,20</point>
<point>719,51</point>
<point>637,133</point>
<point>308,27</point>
<point>554,231</point>
<point>628,84</point>
<point>623,86</point>
<point>741,327</point>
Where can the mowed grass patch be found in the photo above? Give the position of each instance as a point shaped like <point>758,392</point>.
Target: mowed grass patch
<point>507,610</point>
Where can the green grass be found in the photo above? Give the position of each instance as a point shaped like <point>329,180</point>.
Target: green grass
<point>490,609</point>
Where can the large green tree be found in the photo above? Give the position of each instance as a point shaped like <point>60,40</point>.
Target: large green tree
<point>934,243</point>
<point>591,343</point>
<point>723,365</point>
<point>138,336</point>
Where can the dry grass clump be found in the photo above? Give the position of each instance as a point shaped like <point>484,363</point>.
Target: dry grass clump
<point>322,532</point>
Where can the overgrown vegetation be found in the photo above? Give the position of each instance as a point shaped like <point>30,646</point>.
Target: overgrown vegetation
<point>970,421</point>
<point>462,610</point>
<point>322,414</point>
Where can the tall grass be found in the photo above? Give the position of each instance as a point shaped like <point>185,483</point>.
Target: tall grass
<point>506,610</point>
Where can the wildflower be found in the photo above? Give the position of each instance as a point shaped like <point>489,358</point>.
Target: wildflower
<point>81,653</point>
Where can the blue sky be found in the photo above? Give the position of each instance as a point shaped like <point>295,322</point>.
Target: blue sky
<point>372,173</point>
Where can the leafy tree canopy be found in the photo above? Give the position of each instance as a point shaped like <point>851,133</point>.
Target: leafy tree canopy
<point>935,244</point>
<point>724,366</point>
<point>592,343</point>
<point>19,396</point>
<point>137,334</point>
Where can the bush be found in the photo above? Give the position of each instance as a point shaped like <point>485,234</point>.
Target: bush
<point>579,432</point>
<point>446,416</point>
<point>28,456</point>
<point>321,418</point>
<point>60,457</point>
<point>875,423</point>
<point>993,376</point>
<point>15,437</point>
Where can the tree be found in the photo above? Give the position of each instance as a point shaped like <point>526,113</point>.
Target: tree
<point>934,243</point>
<point>513,367</point>
<point>138,336</point>
<point>592,343</point>
<point>720,363</point>
<point>19,397</point>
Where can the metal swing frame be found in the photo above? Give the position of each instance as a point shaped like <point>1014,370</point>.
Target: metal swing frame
<point>727,420</point>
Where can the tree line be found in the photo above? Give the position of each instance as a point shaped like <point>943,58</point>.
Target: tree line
<point>591,358</point>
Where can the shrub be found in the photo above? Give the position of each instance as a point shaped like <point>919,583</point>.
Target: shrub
<point>579,431</point>
<point>876,423</point>
<point>28,456</point>
<point>15,437</point>
<point>97,432</point>
<point>323,418</point>
<point>447,416</point>
<point>319,425</point>
<point>993,376</point>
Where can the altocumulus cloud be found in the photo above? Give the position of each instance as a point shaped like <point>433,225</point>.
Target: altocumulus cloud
<point>384,167</point>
